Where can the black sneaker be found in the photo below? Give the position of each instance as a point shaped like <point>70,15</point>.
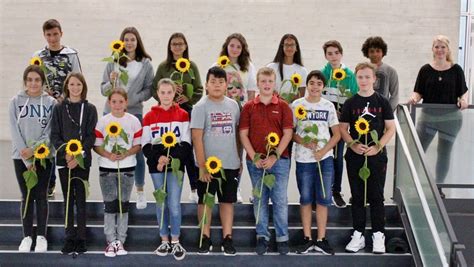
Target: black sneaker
<point>51,191</point>
<point>262,246</point>
<point>228,247</point>
<point>68,247</point>
<point>283,247</point>
<point>81,246</point>
<point>163,249</point>
<point>178,251</point>
<point>307,246</point>
<point>206,246</point>
<point>324,247</point>
<point>337,200</point>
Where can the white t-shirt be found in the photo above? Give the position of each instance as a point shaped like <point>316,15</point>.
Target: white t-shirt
<point>132,127</point>
<point>247,79</point>
<point>288,70</point>
<point>133,68</point>
<point>323,114</point>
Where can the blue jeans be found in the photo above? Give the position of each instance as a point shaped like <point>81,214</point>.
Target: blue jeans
<point>140,167</point>
<point>278,195</point>
<point>338,166</point>
<point>172,214</point>
<point>309,182</point>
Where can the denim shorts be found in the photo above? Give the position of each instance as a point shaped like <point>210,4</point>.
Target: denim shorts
<point>309,182</point>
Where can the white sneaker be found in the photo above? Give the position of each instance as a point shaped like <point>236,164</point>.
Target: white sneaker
<point>119,249</point>
<point>141,200</point>
<point>110,250</point>
<point>193,196</point>
<point>41,244</point>
<point>239,196</point>
<point>357,242</point>
<point>25,245</point>
<point>378,239</point>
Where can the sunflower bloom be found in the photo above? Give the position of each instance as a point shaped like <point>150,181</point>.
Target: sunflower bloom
<point>339,74</point>
<point>362,126</point>
<point>41,152</point>
<point>113,129</point>
<point>223,61</point>
<point>300,112</point>
<point>273,139</point>
<point>36,61</point>
<point>296,79</point>
<point>117,46</point>
<point>183,65</point>
<point>73,147</point>
<point>168,139</point>
<point>213,165</point>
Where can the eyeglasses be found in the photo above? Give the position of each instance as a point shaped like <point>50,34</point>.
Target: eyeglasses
<point>178,44</point>
<point>232,87</point>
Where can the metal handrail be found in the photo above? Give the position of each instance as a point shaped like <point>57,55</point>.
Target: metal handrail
<point>455,246</point>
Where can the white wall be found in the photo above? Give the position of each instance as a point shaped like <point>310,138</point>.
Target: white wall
<point>90,25</point>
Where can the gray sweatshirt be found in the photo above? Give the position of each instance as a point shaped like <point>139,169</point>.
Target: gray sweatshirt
<point>387,84</point>
<point>138,88</point>
<point>30,122</point>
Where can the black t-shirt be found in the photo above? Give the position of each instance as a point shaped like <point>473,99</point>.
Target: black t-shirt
<point>440,87</point>
<point>375,109</point>
<point>55,53</point>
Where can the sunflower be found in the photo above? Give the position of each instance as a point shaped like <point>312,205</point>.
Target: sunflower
<point>117,46</point>
<point>41,152</point>
<point>74,147</point>
<point>273,139</point>
<point>36,61</point>
<point>339,74</point>
<point>362,126</point>
<point>300,112</point>
<point>168,139</point>
<point>213,164</point>
<point>296,79</point>
<point>223,61</point>
<point>183,65</point>
<point>113,129</point>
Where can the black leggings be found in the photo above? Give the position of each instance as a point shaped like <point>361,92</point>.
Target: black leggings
<point>77,197</point>
<point>375,183</point>
<point>38,195</point>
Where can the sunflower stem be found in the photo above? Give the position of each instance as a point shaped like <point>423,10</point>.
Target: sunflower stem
<point>321,179</point>
<point>164,189</point>
<point>261,191</point>
<point>204,215</point>
<point>365,180</point>
<point>68,193</point>
<point>119,184</point>
<point>26,203</point>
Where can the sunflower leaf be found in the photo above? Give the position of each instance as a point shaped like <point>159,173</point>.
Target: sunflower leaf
<point>374,135</point>
<point>203,221</point>
<point>256,192</point>
<point>176,80</point>
<point>209,200</point>
<point>189,90</point>
<point>124,77</point>
<point>269,180</point>
<point>307,129</point>
<point>160,195</point>
<point>179,175</point>
<point>175,164</point>
<point>31,179</point>
<point>86,187</point>
<point>191,73</point>
<point>80,160</point>
<point>307,139</point>
<point>106,140</point>
<point>223,174</point>
<point>364,173</point>
<point>108,59</point>
<point>219,180</point>
<point>314,129</point>
<point>256,157</point>
<point>124,136</point>
<point>43,163</point>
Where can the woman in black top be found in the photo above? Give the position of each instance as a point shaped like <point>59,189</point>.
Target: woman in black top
<point>440,82</point>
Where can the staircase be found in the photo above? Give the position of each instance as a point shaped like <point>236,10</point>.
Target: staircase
<point>143,239</point>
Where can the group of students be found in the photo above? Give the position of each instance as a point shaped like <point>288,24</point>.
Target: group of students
<point>242,107</point>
